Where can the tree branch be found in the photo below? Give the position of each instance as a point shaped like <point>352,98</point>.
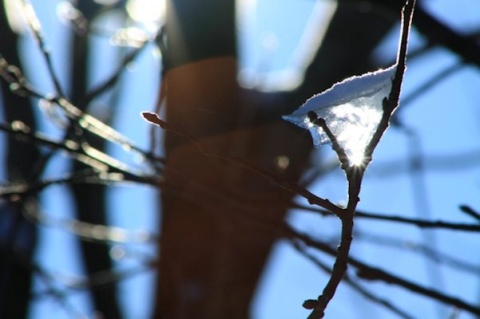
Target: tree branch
<point>421,223</point>
<point>355,174</point>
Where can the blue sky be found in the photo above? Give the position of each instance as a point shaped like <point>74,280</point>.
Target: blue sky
<point>446,118</point>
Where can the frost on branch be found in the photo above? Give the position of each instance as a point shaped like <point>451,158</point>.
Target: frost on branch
<point>352,110</point>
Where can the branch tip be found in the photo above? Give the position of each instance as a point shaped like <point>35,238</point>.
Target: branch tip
<point>152,118</point>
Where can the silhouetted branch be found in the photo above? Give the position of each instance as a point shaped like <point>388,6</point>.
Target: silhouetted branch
<point>433,81</point>
<point>113,79</point>
<point>355,174</point>
<point>354,285</point>
<point>368,272</point>
<point>439,33</point>
<point>404,220</point>
<point>286,185</point>
<point>470,212</point>
<point>433,163</point>
<point>391,104</point>
<point>36,29</point>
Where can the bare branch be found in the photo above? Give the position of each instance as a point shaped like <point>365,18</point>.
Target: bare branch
<point>368,272</point>
<point>36,29</point>
<point>286,185</point>
<point>470,212</point>
<point>399,219</point>
<point>355,174</point>
<point>349,281</point>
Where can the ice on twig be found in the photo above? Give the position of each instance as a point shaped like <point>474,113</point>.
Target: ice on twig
<point>352,110</point>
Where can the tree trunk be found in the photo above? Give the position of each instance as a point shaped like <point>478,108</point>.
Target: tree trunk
<point>217,217</point>
<point>90,201</point>
<point>19,236</point>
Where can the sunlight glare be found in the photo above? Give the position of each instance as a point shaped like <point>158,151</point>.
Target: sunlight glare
<point>354,127</point>
<point>148,12</point>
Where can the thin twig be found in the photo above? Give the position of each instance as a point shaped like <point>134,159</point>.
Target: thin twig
<point>349,281</point>
<point>470,212</point>
<point>36,29</point>
<point>342,156</point>
<point>284,184</point>
<point>392,102</point>
<point>433,81</point>
<point>422,223</point>
<point>113,79</point>
<point>399,219</point>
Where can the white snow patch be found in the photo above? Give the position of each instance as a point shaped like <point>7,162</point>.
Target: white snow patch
<point>352,110</point>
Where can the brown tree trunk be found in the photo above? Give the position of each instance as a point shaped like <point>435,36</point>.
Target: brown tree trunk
<point>214,234</point>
